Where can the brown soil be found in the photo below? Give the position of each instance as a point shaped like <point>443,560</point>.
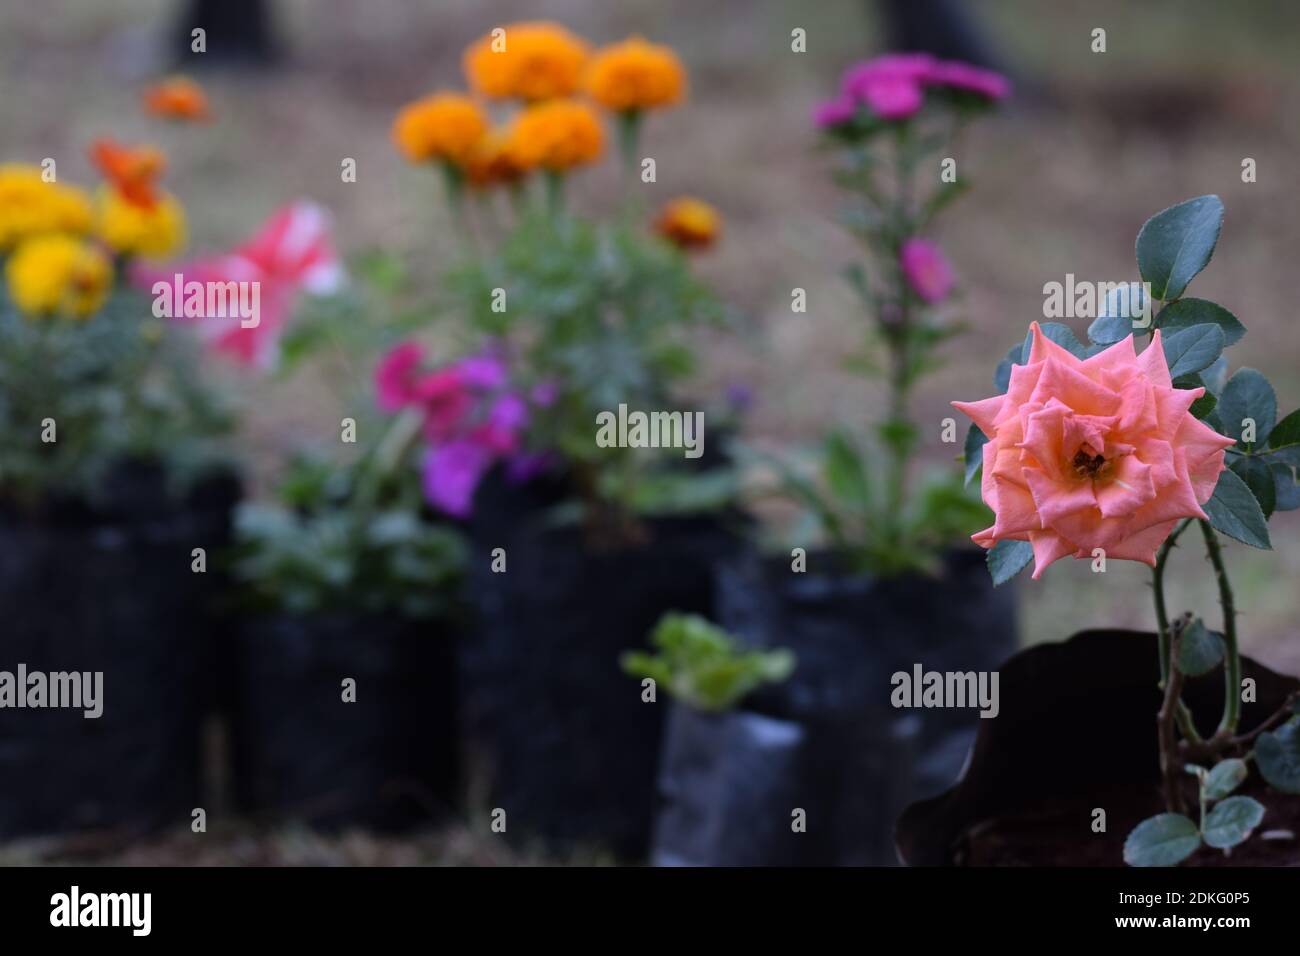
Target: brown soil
<point>1060,834</point>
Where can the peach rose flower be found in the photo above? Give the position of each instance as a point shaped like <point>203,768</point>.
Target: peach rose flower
<point>1093,453</point>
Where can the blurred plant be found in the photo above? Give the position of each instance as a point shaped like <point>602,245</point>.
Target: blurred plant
<point>88,377</point>
<point>894,118</point>
<point>348,540</point>
<point>1101,452</point>
<point>594,312</point>
<point>704,666</point>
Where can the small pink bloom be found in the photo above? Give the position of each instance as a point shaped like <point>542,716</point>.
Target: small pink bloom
<point>483,371</point>
<point>503,430</point>
<point>395,376</point>
<point>544,394</point>
<point>1093,453</point>
<point>893,97</point>
<point>834,112</point>
<point>908,66</point>
<point>970,79</point>
<point>452,473</point>
<point>926,270</point>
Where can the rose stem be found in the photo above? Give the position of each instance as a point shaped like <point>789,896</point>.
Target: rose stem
<point>1184,716</point>
<point>1232,669</point>
<point>1165,721</point>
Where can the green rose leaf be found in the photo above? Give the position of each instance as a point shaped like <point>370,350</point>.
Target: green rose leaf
<point>1258,477</point>
<point>1124,305</point>
<point>1190,350</point>
<point>1185,313</point>
<point>1203,406</point>
<point>1215,376</point>
<point>1163,840</point>
<point>1176,243</point>
<point>1058,333</point>
<point>1109,329</point>
<point>1225,777</point>
<point>1278,754</point>
<point>1248,397</point>
<point>1234,510</point>
<point>1200,649</point>
<point>1232,821</point>
<point>973,451</point>
<point>1286,434</point>
<point>1286,490</point>
<point>1006,559</point>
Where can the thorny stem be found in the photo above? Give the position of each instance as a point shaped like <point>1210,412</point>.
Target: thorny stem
<point>1182,714</point>
<point>1165,719</point>
<point>1232,667</point>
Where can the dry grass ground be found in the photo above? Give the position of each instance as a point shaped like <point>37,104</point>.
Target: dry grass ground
<point>1095,144</point>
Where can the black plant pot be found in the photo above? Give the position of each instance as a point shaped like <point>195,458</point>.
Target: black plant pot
<point>851,634</point>
<point>560,734</point>
<point>1077,732</point>
<point>110,588</point>
<point>387,759</point>
<point>748,789</point>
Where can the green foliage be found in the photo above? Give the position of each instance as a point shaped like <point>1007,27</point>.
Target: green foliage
<point>861,515</point>
<point>339,541</point>
<point>704,666</point>
<point>1176,243</point>
<point>1277,752</point>
<point>119,385</point>
<point>1226,821</point>
<point>1201,649</point>
<point>604,313</point>
<point>1163,840</point>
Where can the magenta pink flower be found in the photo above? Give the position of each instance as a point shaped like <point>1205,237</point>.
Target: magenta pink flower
<point>836,112</point>
<point>471,419</point>
<point>926,270</point>
<point>1093,453</point>
<point>395,376</point>
<point>970,79</point>
<point>451,475</point>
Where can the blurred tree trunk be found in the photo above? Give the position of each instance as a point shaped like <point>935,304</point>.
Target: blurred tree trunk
<point>944,28</point>
<point>238,33</point>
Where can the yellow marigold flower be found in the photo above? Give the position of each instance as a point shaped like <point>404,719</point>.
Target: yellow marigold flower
<point>177,97</point>
<point>558,135</point>
<point>635,75</point>
<point>154,232</point>
<point>29,206</point>
<point>444,126</point>
<point>689,223</point>
<point>532,61</point>
<point>58,275</point>
<point>495,161</point>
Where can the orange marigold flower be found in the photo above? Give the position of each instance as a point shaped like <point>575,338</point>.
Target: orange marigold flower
<point>133,171</point>
<point>558,135</point>
<point>177,97</point>
<point>689,223</point>
<point>496,161</point>
<point>444,126</point>
<point>531,61</point>
<point>635,75</point>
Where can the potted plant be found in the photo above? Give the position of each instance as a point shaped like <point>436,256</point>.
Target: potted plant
<point>1122,454</point>
<point>731,780</point>
<point>351,642</point>
<point>115,497</point>
<point>579,525</point>
<point>874,583</point>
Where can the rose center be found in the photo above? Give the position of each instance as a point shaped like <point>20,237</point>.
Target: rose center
<point>1086,463</point>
